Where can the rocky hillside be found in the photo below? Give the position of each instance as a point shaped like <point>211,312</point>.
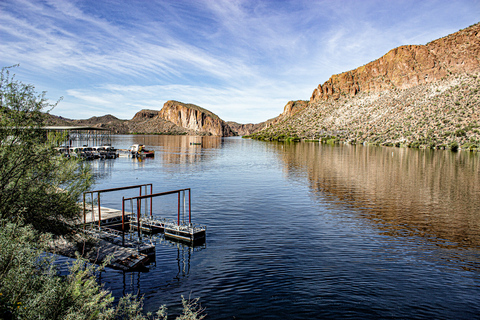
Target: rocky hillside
<point>195,118</point>
<point>421,96</point>
<point>150,121</point>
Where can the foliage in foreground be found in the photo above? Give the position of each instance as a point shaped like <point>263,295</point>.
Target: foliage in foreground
<point>30,287</point>
<point>38,197</point>
<point>37,186</point>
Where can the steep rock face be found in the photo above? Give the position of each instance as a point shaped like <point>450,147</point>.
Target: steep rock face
<point>149,121</point>
<point>293,107</point>
<point>408,66</point>
<point>290,109</point>
<point>194,118</point>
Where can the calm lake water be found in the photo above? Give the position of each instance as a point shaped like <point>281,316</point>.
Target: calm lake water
<point>307,231</point>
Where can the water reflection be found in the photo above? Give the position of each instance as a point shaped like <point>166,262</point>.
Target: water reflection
<point>102,168</point>
<point>172,259</point>
<point>403,192</point>
<point>174,149</point>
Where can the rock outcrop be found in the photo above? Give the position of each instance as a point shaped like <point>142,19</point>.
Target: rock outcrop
<point>293,107</point>
<point>195,118</point>
<point>290,109</point>
<point>150,121</point>
<point>408,66</point>
<point>245,129</point>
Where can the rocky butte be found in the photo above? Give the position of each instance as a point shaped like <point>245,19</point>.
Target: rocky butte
<point>195,118</point>
<point>175,118</point>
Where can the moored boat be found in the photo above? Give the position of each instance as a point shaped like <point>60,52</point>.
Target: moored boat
<point>139,151</point>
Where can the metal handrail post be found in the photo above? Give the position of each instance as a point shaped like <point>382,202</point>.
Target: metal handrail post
<point>99,213</point>
<point>178,219</point>
<point>151,199</point>
<point>93,208</point>
<point>184,207</point>
<point>84,212</point>
<point>123,221</point>
<point>138,217</point>
<point>189,207</point>
<point>140,201</point>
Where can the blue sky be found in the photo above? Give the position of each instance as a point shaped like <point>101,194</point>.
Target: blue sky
<point>243,60</point>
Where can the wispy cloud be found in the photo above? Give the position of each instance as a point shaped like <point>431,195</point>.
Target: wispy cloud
<point>228,56</point>
<point>230,103</point>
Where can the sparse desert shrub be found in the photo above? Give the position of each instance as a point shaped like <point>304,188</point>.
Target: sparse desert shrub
<point>453,146</point>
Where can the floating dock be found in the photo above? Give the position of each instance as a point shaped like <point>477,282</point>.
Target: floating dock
<point>106,216</point>
<point>116,227</point>
<point>148,225</point>
<point>180,230</point>
<point>188,233</point>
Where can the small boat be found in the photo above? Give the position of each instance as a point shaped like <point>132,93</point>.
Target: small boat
<point>139,151</point>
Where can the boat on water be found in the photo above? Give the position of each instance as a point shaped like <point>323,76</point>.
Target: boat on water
<point>139,151</point>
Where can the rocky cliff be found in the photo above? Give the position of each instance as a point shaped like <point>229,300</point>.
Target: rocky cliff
<point>150,121</point>
<point>418,96</point>
<point>408,66</point>
<point>195,118</point>
<point>241,129</point>
<point>293,107</point>
<point>174,118</point>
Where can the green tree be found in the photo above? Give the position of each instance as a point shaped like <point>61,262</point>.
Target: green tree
<point>38,197</point>
<point>37,186</point>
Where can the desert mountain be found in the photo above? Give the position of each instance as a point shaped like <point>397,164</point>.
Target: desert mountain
<point>416,95</point>
<point>174,118</point>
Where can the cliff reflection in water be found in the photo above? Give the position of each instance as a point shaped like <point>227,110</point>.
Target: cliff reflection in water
<point>178,150</point>
<point>407,192</point>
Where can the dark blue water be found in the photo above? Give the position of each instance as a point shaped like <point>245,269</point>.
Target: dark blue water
<point>302,231</point>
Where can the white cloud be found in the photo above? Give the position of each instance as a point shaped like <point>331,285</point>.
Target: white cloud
<point>229,103</point>
<point>227,56</point>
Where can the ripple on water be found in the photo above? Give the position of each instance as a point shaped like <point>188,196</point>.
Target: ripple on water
<point>301,231</point>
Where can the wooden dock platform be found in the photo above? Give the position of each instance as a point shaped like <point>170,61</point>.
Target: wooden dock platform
<point>107,216</point>
<point>122,258</point>
<point>127,259</point>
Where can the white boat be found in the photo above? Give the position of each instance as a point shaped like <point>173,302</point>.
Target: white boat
<point>139,151</point>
